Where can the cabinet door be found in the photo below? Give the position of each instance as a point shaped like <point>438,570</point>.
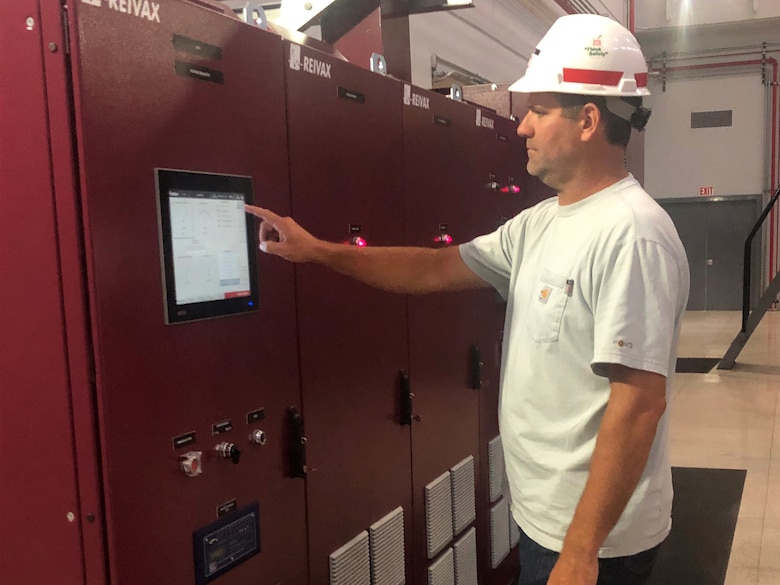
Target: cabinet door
<point>443,329</point>
<point>345,169</point>
<point>499,155</point>
<point>185,93</point>
<point>40,534</point>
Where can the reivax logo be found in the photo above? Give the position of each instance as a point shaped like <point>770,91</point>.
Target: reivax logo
<point>484,122</point>
<point>308,64</point>
<point>140,8</point>
<point>415,99</point>
<point>295,57</point>
<point>316,67</point>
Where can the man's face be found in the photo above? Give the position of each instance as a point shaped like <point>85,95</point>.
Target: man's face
<point>552,140</point>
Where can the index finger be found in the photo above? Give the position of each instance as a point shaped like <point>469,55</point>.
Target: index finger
<point>262,213</point>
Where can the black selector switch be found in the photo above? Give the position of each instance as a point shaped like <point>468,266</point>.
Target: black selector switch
<point>229,451</point>
<point>235,454</point>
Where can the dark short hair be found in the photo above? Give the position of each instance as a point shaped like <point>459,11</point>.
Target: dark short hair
<point>617,129</point>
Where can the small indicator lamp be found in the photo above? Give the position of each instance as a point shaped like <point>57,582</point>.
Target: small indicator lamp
<point>445,239</point>
<point>511,187</point>
<point>359,242</point>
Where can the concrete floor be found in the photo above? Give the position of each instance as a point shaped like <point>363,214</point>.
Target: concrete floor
<point>731,419</point>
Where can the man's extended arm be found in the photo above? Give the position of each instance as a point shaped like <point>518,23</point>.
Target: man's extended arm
<point>637,402</point>
<point>403,269</point>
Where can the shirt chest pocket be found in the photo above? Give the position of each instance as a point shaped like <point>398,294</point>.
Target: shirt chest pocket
<point>547,306</point>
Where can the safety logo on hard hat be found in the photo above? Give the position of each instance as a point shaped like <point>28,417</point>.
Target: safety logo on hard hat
<point>595,50</point>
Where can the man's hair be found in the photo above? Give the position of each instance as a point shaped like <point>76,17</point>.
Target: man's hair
<point>617,129</point>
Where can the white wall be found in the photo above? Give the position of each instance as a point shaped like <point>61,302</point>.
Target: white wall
<point>493,39</point>
<point>679,160</point>
<point>672,13</point>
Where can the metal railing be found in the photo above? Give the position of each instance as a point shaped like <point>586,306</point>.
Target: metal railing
<point>748,259</point>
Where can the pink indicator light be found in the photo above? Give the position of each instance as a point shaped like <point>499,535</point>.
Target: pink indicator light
<point>445,239</point>
<point>360,242</point>
<point>515,189</point>
<point>505,189</point>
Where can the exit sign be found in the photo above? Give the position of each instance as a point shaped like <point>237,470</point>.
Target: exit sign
<point>706,190</point>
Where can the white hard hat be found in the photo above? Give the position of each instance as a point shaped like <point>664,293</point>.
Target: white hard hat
<point>586,54</point>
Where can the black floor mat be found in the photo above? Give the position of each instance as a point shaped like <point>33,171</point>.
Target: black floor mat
<point>704,515</point>
<point>695,365</point>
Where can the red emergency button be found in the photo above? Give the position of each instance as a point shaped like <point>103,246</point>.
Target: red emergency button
<point>190,463</point>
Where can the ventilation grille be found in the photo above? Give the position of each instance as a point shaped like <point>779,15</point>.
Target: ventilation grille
<point>496,468</point>
<point>438,514</point>
<point>715,119</point>
<point>442,572</point>
<point>466,559</point>
<point>499,533</point>
<point>350,564</point>
<point>387,549</point>
<point>464,510</point>
<point>514,530</point>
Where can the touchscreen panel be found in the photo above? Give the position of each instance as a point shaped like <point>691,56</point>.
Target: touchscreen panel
<point>207,244</point>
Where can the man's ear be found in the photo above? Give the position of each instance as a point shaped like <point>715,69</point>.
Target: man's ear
<point>590,118</point>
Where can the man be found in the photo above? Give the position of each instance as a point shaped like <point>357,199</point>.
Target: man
<point>596,283</point>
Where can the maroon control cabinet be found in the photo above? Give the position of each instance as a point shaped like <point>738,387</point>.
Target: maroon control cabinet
<point>187,409</point>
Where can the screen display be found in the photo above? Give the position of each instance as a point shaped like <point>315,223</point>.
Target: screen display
<point>208,234</point>
<point>207,240</point>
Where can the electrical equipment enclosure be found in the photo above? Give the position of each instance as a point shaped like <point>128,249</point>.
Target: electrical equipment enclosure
<point>209,261</point>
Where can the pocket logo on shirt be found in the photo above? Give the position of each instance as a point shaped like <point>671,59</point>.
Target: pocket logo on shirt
<point>544,294</point>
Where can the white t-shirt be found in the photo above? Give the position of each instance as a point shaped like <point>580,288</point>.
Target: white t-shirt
<point>602,281</point>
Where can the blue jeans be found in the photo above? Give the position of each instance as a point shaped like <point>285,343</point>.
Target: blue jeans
<point>536,563</point>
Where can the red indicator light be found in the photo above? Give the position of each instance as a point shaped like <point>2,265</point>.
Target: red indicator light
<point>505,189</point>
<point>445,239</point>
<point>360,242</point>
<point>515,189</point>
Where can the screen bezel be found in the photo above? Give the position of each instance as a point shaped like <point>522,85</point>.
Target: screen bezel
<point>172,179</point>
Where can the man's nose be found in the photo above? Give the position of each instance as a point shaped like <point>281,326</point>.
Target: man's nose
<point>524,128</point>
